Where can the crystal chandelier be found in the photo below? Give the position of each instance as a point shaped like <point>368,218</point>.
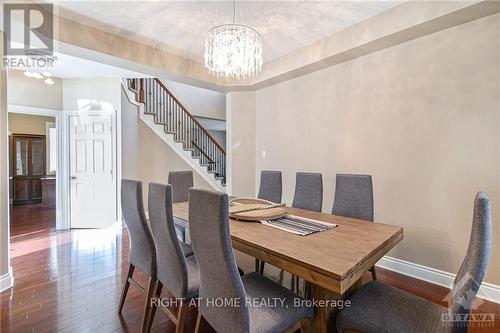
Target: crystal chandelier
<point>233,50</point>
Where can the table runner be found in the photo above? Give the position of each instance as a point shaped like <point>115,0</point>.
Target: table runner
<point>298,225</point>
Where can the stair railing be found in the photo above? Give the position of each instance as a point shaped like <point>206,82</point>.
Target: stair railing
<point>168,111</point>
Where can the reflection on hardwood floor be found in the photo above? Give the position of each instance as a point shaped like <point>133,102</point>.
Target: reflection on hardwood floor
<point>26,220</point>
<point>70,281</point>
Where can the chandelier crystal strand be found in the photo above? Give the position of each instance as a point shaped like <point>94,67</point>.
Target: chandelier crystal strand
<point>234,51</point>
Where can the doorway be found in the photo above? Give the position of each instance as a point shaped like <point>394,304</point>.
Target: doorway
<point>81,147</point>
<point>32,161</point>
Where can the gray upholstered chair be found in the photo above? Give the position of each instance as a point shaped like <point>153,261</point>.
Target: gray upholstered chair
<point>354,199</point>
<point>270,186</point>
<point>270,189</point>
<point>353,196</point>
<point>181,182</point>
<point>219,278</point>
<point>308,195</point>
<point>308,191</point>
<point>377,307</point>
<point>142,253</point>
<point>176,272</point>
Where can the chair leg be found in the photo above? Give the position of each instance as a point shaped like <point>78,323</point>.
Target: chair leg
<point>152,312</point>
<point>374,274</point>
<point>282,274</point>
<point>131,269</point>
<point>181,317</point>
<point>147,306</point>
<point>261,268</point>
<point>198,323</point>
<point>257,265</point>
<point>304,325</point>
<point>293,329</point>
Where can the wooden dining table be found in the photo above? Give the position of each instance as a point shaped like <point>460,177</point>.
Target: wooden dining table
<point>331,262</point>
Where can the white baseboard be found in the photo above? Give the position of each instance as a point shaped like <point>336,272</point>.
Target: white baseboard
<point>6,281</point>
<point>488,291</point>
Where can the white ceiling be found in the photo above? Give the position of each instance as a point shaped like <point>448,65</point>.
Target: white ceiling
<point>181,26</point>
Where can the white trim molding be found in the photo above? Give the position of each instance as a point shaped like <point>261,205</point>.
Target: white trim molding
<point>487,291</point>
<point>62,210</point>
<point>13,108</point>
<point>6,281</point>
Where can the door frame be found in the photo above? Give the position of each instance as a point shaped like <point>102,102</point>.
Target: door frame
<point>63,192</point>
<point>58,115</point>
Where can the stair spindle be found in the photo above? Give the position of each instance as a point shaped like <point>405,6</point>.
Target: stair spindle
<point>168,111</point>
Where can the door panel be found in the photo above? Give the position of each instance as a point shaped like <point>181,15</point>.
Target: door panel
<point>37,157</point>
<point>93,186</point>
<point>21,189</point>
<point>21,156</point>
<point>36,189</point>
<point>81,156</point>
<point>98,128</point>
<point>99,156</point>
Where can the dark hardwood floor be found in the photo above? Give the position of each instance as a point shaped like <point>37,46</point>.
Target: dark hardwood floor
<point>70,281</point>
<point>30,219</point>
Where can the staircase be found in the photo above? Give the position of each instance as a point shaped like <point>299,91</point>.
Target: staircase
<point>162,110</point>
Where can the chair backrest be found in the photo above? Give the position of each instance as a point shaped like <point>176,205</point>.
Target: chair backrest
<point>308,191</point>
<point>219,277</point>
<point>353,196</point>
<point>142,252</point>
<point>170,262</point>
<point>270,186</point>
<point>471,272</point>
<point>181,182</point>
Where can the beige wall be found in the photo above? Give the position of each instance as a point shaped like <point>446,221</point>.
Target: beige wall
<point>32,92</point>
<point>240,107</point>
<point>199,101</point>
<point>422,117</point>
<point>145,156</point>
<point>28,124</point>
<point>92,94</point>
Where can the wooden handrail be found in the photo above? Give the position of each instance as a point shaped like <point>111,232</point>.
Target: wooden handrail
<point>190,115</point>
<point>202,151</point>
<point>159,101</point>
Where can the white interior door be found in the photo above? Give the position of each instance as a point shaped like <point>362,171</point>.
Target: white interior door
<point>93,187</point>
